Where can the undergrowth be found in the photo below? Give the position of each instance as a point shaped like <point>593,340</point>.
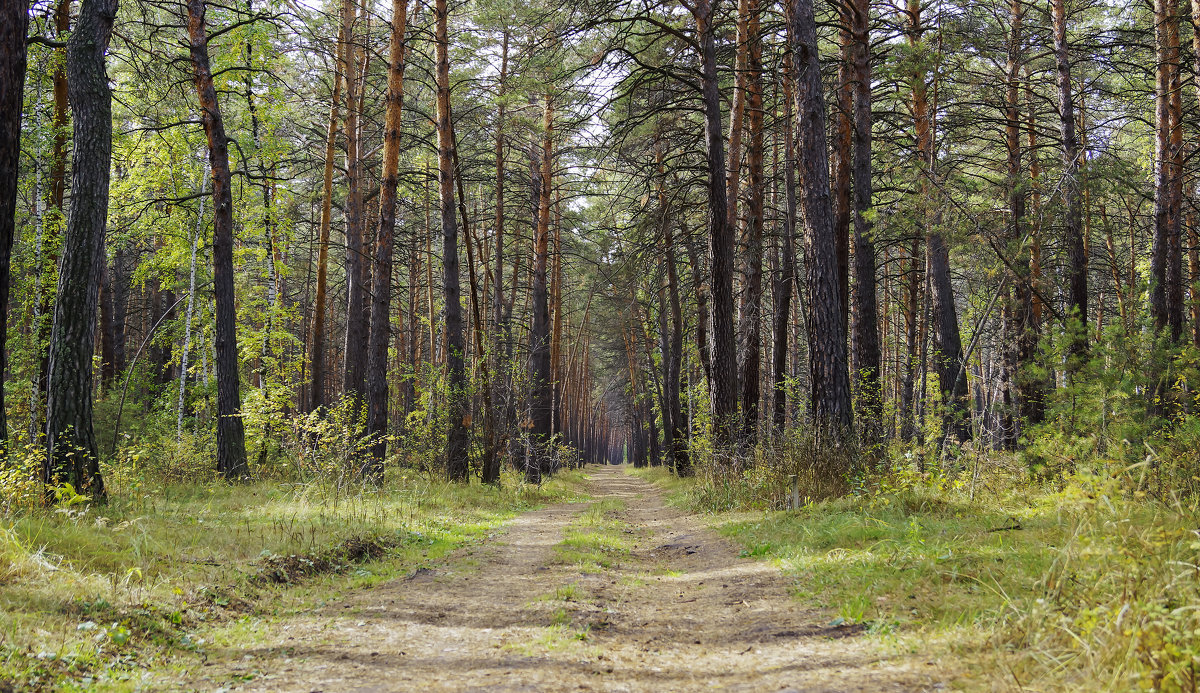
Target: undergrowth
<point>1089,580</point>
<point>93,595</point>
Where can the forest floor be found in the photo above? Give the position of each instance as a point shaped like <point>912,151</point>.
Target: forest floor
<point>622,593</point>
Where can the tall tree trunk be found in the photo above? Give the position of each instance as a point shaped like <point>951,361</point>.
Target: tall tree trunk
<point>355,352</point>
<point>381,290</point>
<point>867,358</point>
<point>231,437</point>
<point>782,290</point>
<point>456,378</point>
<point>830,380</point>
<point>71,444</point>
<point>1076,249</point>
<point>750,328</point>
<point>14,23</point>
<point>1022,337</point>
<point>317,355</point>
<point>723,369</point>
<point>541,402</point>
<point>491,471</point>
<point>843,152</point>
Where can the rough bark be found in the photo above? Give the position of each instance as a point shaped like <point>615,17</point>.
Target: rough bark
<point>722,349</point>
<point>231,437</point>
<point>866,356</point>
<point>457,467</point>
<point>782,290</point>
<point>828,373</point>
<point>381,289</point>
<point>1077,278</point>
<point>355,352</point>
<point>71,444</point>
<point>750,323</point>
<point>14,23</point>
<point>541,395</point>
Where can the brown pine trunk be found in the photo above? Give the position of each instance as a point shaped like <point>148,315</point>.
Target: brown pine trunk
<point>456,379</point>
<point>381,289</point>
<point>231,438</point>
<point>539,337</point>
<point>71,444</point>
<point>14,22</point>
<point>317,357</point>
<point>723,369</point>
<point>842,152</point>
<point>829,377</point>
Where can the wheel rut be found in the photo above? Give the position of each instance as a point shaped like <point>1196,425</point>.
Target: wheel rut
<point>672,608</point>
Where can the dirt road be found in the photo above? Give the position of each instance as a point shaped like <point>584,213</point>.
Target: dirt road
<point>672,608</point>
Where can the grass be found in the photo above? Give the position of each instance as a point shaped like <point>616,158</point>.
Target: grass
<point>595,541</point>
<point>92,594</point>
<point>1080,585</point>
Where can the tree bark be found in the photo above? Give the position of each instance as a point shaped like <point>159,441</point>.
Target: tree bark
<point>541,395</point>
<point>71,444</point>
<point>1073,231</point>
<point>750,327</point>
<point>829,377</point>
<point>457,468</point>
<point>867,358</point>
<point>381,290</point>
<point>723,369</point>
<point>317,355</point>
<point>782,290</point>
<point>231,437</point>
<point>14,23</point>
<point>355,352</point>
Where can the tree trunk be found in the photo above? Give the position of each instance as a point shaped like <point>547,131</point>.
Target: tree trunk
<point>750,327</point>
<point>491,471</point>
<point>456,381</point>
<point>317,356</point>
<point>867,358</point>
<point>231,437</point>
<point>355,352</point>
<point>1076,249</point>
<point>723,369</point>
<point>541,393</point>
<point>782,290</point>
<point>381,290</point>
<point>71,444</point>
<point>829,377</point>
<point>14,22</point>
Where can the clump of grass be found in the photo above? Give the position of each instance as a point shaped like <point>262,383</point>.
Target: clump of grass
<point>595,541</point>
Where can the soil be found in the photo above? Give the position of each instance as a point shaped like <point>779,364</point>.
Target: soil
<point>681,611</point>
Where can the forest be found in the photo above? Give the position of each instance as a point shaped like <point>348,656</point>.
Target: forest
<point>885,311</point>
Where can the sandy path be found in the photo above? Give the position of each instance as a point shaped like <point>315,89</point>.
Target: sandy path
<point>680,612</point>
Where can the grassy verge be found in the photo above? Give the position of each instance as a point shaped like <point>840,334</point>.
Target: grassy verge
<point>92,595</point>
<point>1085,585</point>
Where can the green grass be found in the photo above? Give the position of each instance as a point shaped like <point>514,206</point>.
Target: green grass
<point>1083,586</point>
<point>595,541</point>
<point>90,594</point>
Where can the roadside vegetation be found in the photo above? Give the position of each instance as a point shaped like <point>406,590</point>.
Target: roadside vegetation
<point>1084,579</point>
<point>94,594</point>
